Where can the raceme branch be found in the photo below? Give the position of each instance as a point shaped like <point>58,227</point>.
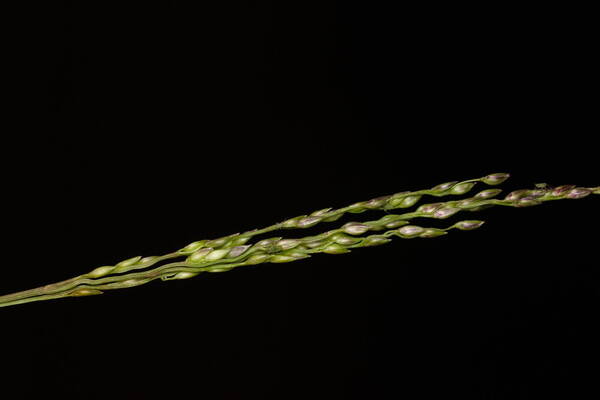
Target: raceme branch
<point>225,253</point>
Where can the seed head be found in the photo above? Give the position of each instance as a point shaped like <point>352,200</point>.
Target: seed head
<point>240,240</point>
<point>356,207</point>
<point>334,217</point>
<point>537,193</point>
<point>267,242</point>
<point>468,203</point>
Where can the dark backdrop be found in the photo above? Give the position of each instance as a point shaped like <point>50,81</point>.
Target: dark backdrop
<point>167,122</point>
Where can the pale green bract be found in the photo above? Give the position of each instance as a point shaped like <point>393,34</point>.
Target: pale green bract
<point>226,253</point>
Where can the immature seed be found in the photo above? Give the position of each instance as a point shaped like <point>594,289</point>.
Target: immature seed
<point>84,292</point>
<point>101,271</point>
<point>462,188</point>
<point>432,232</point>
<point>395,224</point>
<point>445,212</point>
<point>488,193</point>
<point>354,228</point>
<point>561,190</point>
<point>217,242</point>
<point>238,251</point>
<point>216,254</point>
<point>495,179</point>
<point>409,201</point>
<point>335,248</point>
<point>291,223</point>
<point>345,240</point>
<point>257,259</point>
<point>314,243</point>
<point>578,193</point>
<point>199,255</point>
<point>129,262</point>
<point>375,241</point>
<point>192,247</point>
<point>516,195</point>
<point>410,230</point>
<point>308,222</point>
<point>320,212</point>
<point>429,208</point>
<point>184,275</point>
<point>468,225</point>
<point>527,201</point>
<point>377,202</point>
<point>444,186</point>
<point>286,244</point>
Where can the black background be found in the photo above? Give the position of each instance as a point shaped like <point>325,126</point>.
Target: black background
<point>167,122</point>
